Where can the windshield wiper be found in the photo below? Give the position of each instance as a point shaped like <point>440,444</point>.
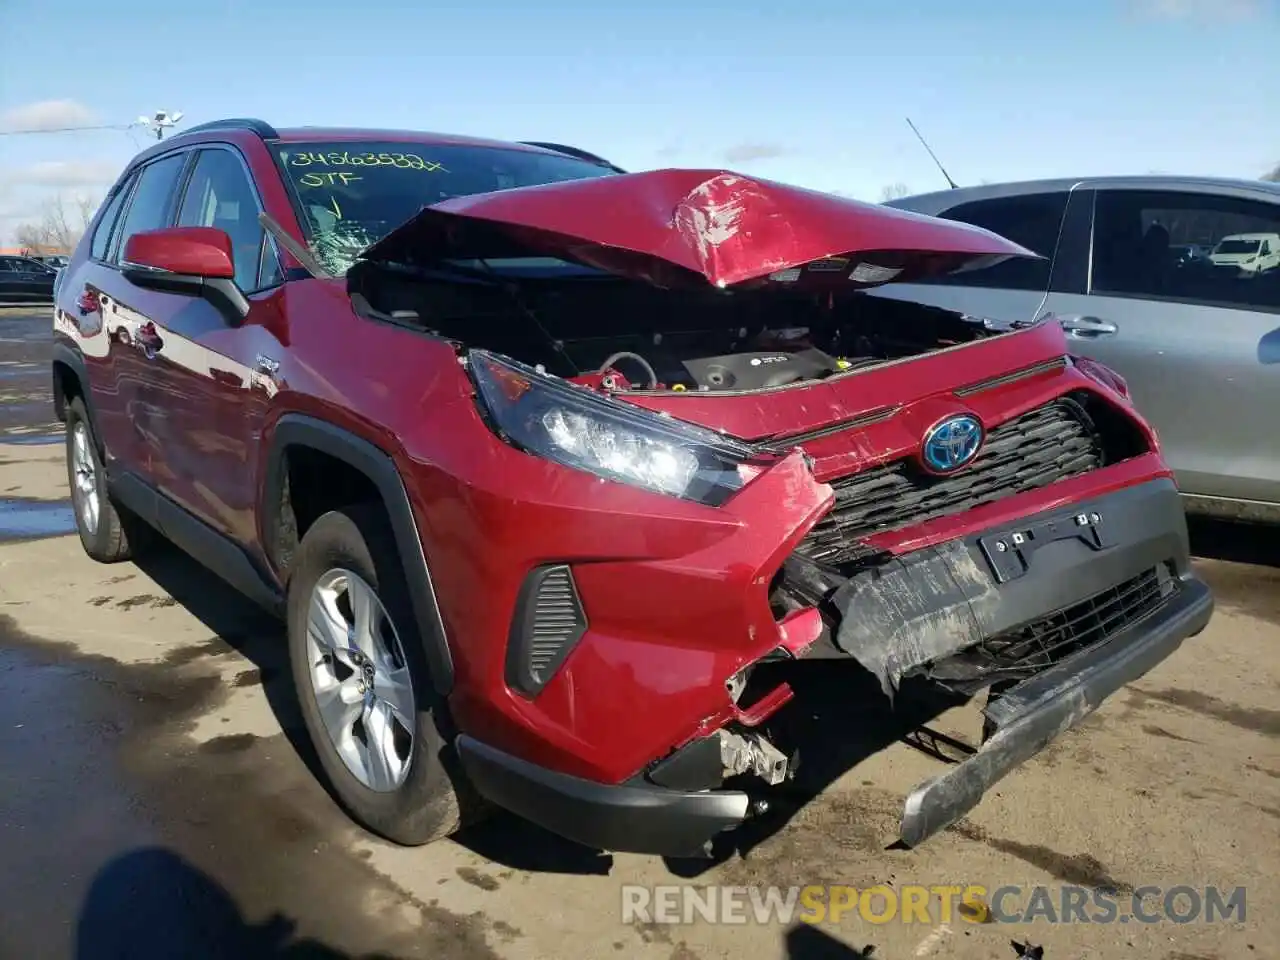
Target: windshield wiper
<point>300,253</point>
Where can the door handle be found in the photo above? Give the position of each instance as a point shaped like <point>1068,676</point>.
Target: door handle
<point>1087,328</point>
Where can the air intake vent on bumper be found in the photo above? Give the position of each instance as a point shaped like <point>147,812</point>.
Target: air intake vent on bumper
<point>548,622</point>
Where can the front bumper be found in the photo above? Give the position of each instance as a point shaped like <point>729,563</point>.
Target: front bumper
<point>908,616</point>
<point>1032,714</point>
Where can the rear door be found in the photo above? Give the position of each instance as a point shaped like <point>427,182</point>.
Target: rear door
<point>1009,292</point>
<point>1199,345</point>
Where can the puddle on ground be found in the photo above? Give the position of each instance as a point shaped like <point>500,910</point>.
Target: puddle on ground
<point>31,519</point>
<point>9,371</point>
<point>31,439</point>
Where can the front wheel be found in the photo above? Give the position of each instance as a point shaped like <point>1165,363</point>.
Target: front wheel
<point>362,680</point>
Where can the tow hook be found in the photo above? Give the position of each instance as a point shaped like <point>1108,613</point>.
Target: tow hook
<point>752,753</point>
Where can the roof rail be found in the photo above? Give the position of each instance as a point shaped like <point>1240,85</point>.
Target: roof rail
<point>574,152</point>
<point>260,127</point>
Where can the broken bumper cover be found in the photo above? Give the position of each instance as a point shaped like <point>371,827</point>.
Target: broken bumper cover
<point>899,618</point>
<point>633,817</point>
<point>1035,712</point>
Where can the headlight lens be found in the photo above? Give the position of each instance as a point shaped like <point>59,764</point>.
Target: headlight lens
<point>571,425</point>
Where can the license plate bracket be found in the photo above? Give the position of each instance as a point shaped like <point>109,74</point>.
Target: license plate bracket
<point>1009,553</point>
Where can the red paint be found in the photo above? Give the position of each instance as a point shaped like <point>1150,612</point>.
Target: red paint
<point>711,226</point>
<point>676,592</point>
<point>194,251</point>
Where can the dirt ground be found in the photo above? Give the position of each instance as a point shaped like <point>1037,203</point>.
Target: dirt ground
<point>156,792</point>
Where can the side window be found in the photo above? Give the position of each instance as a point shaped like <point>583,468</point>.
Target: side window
<point>219,195</point>
<point>152,205</point>
<point>1191,247</point>
<point>269,272</point>
<point>101,243</point>
<point>1032,220</point>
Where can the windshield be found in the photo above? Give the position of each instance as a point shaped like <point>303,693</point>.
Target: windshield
<point>1237,246</point>
<point>352,194</point>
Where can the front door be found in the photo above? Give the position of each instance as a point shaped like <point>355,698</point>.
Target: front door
<point>115,316</point>
<point>210,377</point>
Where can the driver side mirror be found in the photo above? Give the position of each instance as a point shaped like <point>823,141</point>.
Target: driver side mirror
<point>194,261</point>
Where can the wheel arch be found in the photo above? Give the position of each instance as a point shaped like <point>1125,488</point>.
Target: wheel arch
<point>295,430</point>
<point>68,370</point>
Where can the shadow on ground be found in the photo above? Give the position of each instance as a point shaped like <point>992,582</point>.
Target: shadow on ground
<point>811,943</point>
<point>1215,539</point>
<point>151,904</point>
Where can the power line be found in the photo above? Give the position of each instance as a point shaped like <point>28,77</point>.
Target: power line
<point>110,126</point>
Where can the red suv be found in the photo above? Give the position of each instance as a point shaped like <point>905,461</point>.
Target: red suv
<point>556,471</point>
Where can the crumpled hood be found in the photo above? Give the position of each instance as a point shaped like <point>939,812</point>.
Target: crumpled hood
<point>682,227</point>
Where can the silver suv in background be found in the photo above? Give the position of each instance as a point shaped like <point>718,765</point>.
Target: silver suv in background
<point>1197,337</point>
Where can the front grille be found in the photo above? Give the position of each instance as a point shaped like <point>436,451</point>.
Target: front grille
<point>1051,639</point>
<point>1050,443</point>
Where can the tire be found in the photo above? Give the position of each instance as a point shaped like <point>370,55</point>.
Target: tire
<point>419,794</point>
<point>109,534</point>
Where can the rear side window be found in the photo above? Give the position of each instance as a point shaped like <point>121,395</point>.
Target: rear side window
<point>219,195</point>
<point>101,245</point>
<point>1185,247</point>
<point>1032,220</point>
<point>152,203</point>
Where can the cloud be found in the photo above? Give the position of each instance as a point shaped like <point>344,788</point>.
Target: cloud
<point>27,191</point>
<point>62,174</point>
<point>1199,9</point>
<point>48,115</point>
<point>745,152</point>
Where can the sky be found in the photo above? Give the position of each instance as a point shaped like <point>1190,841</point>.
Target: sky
<point>811,93</point>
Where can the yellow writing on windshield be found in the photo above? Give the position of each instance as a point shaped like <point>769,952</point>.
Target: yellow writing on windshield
<point>344,158</point>
<point>328,178</point>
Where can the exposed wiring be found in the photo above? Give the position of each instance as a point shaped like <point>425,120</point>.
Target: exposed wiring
<point>628,355</point>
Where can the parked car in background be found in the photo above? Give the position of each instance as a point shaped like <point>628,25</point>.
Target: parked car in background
<point>1253,253</point>
<point>1174,282</point>
<point>55,260</point>
<point>554,502</point>
<point>24,279</point>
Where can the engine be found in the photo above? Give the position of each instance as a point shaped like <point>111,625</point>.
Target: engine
<point>772,358</point>
<point>752,371</point>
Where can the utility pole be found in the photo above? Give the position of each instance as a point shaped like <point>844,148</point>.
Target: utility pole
<point>160,121</point>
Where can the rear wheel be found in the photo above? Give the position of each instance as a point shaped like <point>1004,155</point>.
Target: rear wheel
<point>362,681</point>
<point>105,531</point>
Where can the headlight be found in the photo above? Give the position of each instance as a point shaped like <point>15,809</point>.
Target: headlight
<point>573,426</point>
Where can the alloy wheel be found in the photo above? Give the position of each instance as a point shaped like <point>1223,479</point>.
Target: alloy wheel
<point>360,680</point>
<point>84,485</point>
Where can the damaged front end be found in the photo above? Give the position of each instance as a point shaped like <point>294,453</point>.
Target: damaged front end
<point>992,519</point>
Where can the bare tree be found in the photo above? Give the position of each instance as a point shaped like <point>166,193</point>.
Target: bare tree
<point>1274,175</point>
<point>63,221</point>
<point>894,191</point>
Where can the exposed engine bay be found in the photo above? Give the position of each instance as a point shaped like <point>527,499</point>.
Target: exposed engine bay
<point>618,334</point>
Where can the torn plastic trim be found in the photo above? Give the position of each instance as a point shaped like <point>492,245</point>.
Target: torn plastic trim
<point>1031,715</point>
<point>904,612</point>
